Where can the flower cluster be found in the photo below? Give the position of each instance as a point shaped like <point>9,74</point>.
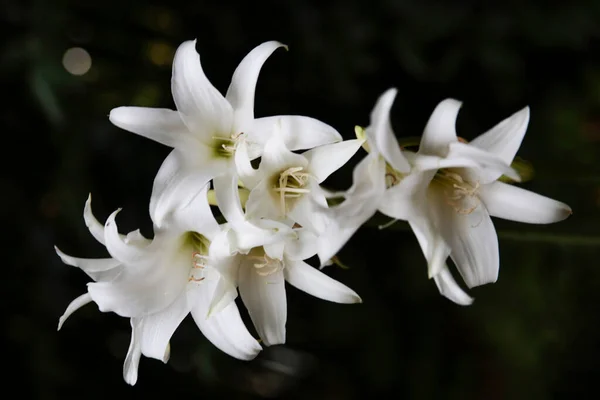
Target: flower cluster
<point>264,175</point>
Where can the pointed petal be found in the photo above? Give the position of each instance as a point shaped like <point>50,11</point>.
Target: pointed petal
<point>472,239</point>
<point>225,328</point>
<point>316,283</point>
<point>74,306</point>
<point>440,130</point>
<point>179,179</point>
<point>490,167</point>
<point>423,162</point>
<point>159,124</point>
<point>136,238</point>
<point>203,109</point>
<point>157,329</point>
<point>196,216</point>
<point>95,227</point>
<point>516,204</point>
<point>504,139</point>
<point>381,136</point>
<point>434,248</point>
<point>325,160</point>
<point>450,289</point>
<point>277,157</point>
<point>298,132</point>
<point>132,361</point>
<point>116,246</point>
<point>99,269</point>
<point>361,203</point>
<point>265,299</point>
<point>149,285</point>
<point>243,84</point>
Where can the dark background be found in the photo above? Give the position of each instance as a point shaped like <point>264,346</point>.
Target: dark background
<point>533,334</point>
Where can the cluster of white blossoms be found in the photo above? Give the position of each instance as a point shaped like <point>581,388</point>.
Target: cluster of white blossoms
<point>277,214</point>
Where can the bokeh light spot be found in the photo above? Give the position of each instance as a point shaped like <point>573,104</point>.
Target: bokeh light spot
<point>77,61</point>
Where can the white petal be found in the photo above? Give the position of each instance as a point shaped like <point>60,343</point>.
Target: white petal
<point>275,250</point>
<point>434,248</point>
<point>316,283</point>
<point>440,130</point>
<point>116,246</point>
<point>137,239</point>
<point>516,204</point>
<point>450,289</point>
<point>179,179</point>
<point>277,157</point>
<point>247,234</point>
<point>423,162</point>
<point>74,306</point>
<point>196,216</point>
<point>402,200</point>
<point>148,286</point>
<point>225,328</point>
<point>325,160</point>
<point>491,166</point>
<point>265,299</point>
<point>203,109</point>
<point>504,139</point>
<point>381,135</point>
<point>157,329</point>
<point>95,227</point>
<point>304,210</point>
<point>262,204</point>
<point>472,239</point>
<point>243,84</point>
<point>247,174</point>
<point>298,132</point>
<point>361,203</point>
<point>132,361</point>
<point>303,246</point>
<point>159,124</point>
<point>99,269</point>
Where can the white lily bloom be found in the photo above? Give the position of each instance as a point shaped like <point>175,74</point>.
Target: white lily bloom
<point>261,274</point>
<point>286,184</point>
<point>446,191</point>
<point>207,128</point>
<point>158,282</point>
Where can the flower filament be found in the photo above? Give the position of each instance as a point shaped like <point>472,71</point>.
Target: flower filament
<point>291,185</point>
<point>225,146</point>
<point>199,245</point>
<point>459,193</point>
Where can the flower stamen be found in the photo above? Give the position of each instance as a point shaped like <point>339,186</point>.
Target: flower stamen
<point>458,191</point>
<point>292,184</point>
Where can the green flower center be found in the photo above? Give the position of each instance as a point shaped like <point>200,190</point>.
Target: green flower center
<point>224,146</point>
<point>199,245</point>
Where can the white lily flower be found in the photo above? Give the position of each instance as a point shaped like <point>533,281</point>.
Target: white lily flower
<point>261,274</point>
<point>446,191</point>
<point>158,282</point>
<point>207,128</point>
<point>286,184</point>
